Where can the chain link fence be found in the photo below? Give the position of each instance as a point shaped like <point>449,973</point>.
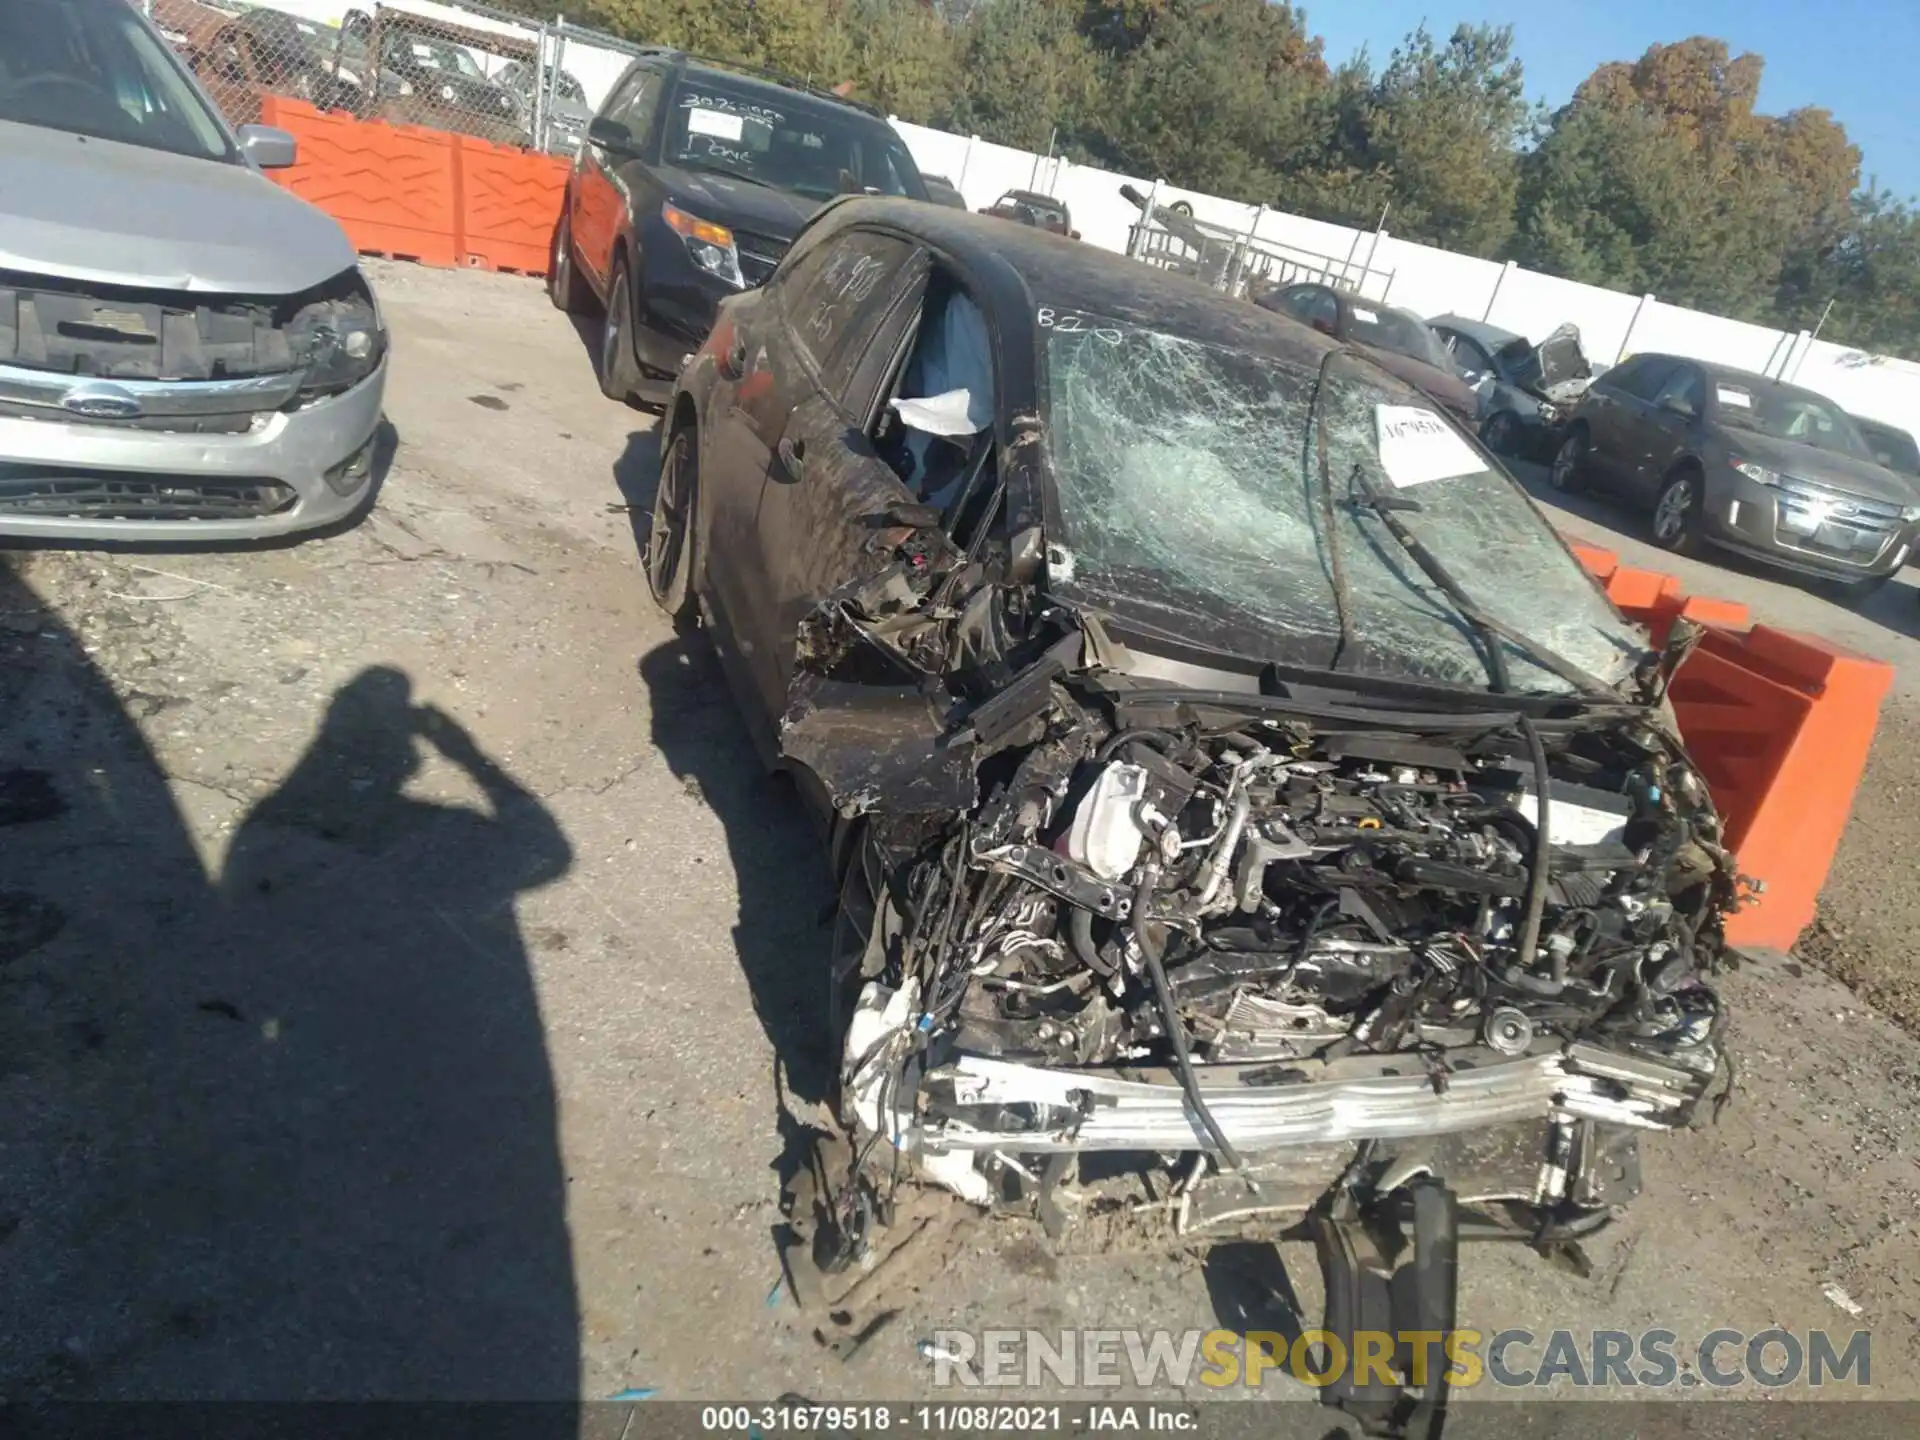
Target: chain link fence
<point>466,68</point>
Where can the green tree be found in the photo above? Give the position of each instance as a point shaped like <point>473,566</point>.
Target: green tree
<point>1444,124</point>
<point>1024,69</point>
<point>1660,175</point>
<point>1216,95</point>
<point>1872,276</point>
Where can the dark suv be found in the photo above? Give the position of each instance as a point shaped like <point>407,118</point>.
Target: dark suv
<point>1726,457</point>
<point>692,183</point>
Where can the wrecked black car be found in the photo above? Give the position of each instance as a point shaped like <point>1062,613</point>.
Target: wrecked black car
<point>1228,768</point>
<point>1525,391</point>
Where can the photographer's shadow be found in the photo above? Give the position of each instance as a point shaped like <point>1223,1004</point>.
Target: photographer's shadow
<point>366,1168</point>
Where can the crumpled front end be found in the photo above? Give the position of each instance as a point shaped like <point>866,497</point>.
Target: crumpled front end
<point>1243,950</point>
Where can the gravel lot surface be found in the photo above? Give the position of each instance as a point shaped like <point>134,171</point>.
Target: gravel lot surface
<point>398,946</point>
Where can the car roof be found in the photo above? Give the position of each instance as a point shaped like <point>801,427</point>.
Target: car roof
<point>1491,336</point>
<point>1751,379</point>
<point>1021,265</point>
<point>765,83</point>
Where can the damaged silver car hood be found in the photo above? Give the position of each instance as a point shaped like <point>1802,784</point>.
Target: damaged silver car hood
<point>101,212</point>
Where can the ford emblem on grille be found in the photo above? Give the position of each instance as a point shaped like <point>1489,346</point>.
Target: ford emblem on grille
<point>101,402</point>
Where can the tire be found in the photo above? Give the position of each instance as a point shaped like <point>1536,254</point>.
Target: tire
<point>1568,473</point>
<point>669,558</point>
<point>1675,523</point>
<point>1500,433</point>
<point>616,343</point>
<point>566,286</point>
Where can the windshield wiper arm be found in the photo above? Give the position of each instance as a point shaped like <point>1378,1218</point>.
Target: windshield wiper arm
<point>1336,561</point>
<point>1490,631</point>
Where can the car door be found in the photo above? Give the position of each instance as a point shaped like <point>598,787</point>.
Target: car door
<point>600,187</point>
<point>1670,428</point>
<point>1615,411</point>
<point>785,421</point>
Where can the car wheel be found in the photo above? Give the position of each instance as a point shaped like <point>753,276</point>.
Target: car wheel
<point>616,346</point>
<point>1676,513</point>
<point>670,540</point>
<point>566,286</point>
<point>1501,433</point>
<point>1568,473</point>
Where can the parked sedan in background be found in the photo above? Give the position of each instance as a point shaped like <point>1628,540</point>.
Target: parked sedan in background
<point>1398,339</point>
<point>1725,457</point>
<point>1525,390</point>
<point>943,191</point>
<point>190,352</point>
<point>1030,207</point>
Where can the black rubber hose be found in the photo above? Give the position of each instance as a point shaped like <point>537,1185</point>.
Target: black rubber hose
<point>1542,859</point>
<point>1111,745</point>
<point>1170,1020</point>
<point>1080,940</point>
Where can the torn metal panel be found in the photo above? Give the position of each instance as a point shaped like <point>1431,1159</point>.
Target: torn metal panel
<point>1556,369</point>
<point>877,748</point>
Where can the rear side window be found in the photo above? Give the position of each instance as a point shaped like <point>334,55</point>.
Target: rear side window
<point>834,295</point>
<point>1466,353</point>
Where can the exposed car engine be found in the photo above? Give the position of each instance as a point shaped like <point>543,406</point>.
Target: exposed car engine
<point>1268,933</point>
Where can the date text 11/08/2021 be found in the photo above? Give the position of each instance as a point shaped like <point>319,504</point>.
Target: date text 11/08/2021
<point>787,1418</point>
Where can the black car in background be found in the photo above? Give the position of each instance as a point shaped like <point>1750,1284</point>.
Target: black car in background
<point>1717,456</point>
<point>943,191</point>
<point>1170,853</point>
<point>1398,339</point>
<point>692,183</point>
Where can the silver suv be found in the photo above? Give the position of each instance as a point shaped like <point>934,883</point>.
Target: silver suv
<point>187,351</point>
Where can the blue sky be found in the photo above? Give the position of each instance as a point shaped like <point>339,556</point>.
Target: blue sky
<point>1858,58</point>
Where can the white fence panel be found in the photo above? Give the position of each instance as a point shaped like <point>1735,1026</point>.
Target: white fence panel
<point>1675,331</point>
<point>1433,282</point>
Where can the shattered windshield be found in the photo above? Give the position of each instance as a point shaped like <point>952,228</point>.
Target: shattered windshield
<point>1189,486</point>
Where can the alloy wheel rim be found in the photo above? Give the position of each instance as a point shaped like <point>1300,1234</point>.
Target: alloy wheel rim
<point>1672,514</point>
<point>1564,462</point>
<point>663,541</point>
<point>610,342</point>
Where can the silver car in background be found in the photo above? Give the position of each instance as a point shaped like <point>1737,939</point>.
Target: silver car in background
<point>187,351</point>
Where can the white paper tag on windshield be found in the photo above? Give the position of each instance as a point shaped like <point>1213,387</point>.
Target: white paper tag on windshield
<point>1366,317</point>
<point>716,123</point>
<point>1416,446</point>
<point>1734,397</point>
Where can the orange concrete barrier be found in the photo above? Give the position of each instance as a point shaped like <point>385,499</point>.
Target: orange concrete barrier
<point>509,201</point>
<point>393,188</point>
<point>426,195</point>
<point>1780,725</point>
